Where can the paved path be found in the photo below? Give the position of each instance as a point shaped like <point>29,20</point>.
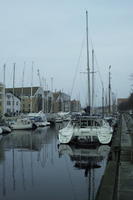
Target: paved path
<point>125,178</point>
<point>117,182</point>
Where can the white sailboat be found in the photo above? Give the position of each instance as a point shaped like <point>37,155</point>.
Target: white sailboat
<point>39,119</point>
<point>87,128</point>
<point>23,124</point>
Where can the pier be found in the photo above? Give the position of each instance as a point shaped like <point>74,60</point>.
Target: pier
<point>117,180</point>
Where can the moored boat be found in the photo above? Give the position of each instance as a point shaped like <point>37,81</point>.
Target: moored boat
<point>5,129</point>
<point>39,119</point>
<point>4,126</point>
<point>1,130</point>
<point>23,124</point>
<point>86,129</point>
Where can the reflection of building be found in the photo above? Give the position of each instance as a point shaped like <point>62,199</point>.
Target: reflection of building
<point>26,140</point>
<point>2,89</point>
<point>2,155</point>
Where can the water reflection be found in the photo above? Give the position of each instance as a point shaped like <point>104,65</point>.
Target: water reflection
<point>88,159</point>
<point>34,166</point>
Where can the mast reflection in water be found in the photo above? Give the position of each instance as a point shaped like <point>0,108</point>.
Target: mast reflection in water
<point>34,166</point>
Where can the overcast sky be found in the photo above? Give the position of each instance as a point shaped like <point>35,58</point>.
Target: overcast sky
<point>52,34</point>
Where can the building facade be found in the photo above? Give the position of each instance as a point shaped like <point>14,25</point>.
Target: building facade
<point>48,101</point>
<point>61,102</point>
<point>31,98</point>
<point>35,99</point>
<point>75,106</point>
<point>12,104</point>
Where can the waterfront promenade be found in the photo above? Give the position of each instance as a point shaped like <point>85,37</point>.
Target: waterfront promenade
<point>117,182</point>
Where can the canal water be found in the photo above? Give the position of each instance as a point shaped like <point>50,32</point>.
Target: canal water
<point>33,165</point>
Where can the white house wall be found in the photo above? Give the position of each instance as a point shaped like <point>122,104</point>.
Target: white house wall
<point>9,103</point>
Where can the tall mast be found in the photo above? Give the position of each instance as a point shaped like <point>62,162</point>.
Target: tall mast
<point>92,80</point>
<point>51,84</point>
<point>109,90</point>
<point>4,67</point>
<point>31,94</point>
<point>22,93</point>
<point>4,82</point>
<point>52,94</point>
<point>88,68</point>
<point>23,80</point>
<point>13,87</point>
<point>41,85</point>
<point>102,100</point>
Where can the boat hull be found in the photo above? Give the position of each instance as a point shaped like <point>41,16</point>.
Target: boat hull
<point>103,135</point>
<point>1,130</point>
<point>5,129</point>
<point>65,135</point>
<point>23,124</point>
<point>16,127</point>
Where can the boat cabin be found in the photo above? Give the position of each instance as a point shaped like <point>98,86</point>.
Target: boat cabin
<point>84,122</point>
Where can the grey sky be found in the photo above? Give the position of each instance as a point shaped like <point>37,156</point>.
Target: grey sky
<point>51,32</point>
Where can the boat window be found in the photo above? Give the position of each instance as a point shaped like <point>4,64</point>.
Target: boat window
<point>87,122</point>
<point>36,119</point>
<point>90,123</point>
<point>84,124</point>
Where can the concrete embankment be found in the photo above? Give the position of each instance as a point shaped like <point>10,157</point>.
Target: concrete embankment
<point>117,181</point>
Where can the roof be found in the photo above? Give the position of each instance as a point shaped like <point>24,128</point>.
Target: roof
<point>7,93</point>
<point>26,91</point>
<point>56,95</point>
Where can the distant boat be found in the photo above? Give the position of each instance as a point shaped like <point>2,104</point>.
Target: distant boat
<point>58,118</point>
<point>86,129</point>
<point>65,116</point>
<point>39,119</point>
<point>23,124</point>
<point>5,129</point>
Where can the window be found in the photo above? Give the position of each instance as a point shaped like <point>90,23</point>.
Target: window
<point>17,103</point>
<point>8,103</point>
<point>8,96</point>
